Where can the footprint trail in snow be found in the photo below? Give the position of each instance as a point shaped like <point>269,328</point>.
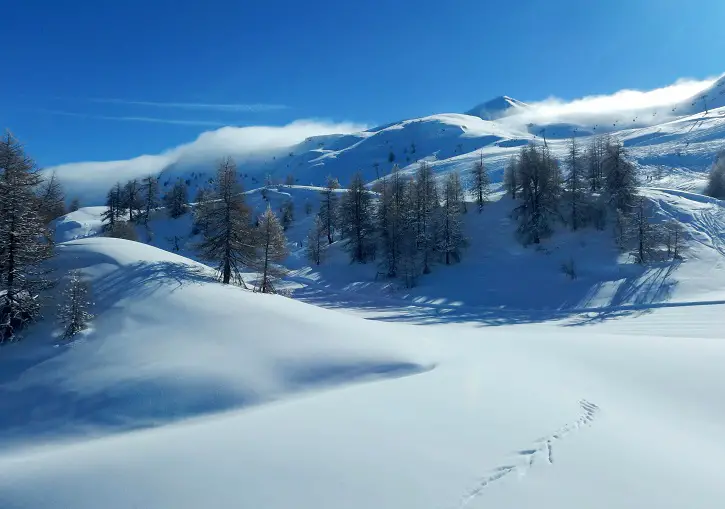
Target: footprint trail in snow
<point>543,450</point>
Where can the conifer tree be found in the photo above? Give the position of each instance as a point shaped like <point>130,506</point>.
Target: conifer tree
<point>272,249</point>
<point>75,204</point>
<point>315,249</point>
<point>24,244</point>
<point>575,187</point>
<point>131,199</point>
<point>540,179</point>
<point>357,220</point>
<point>594,158</point>
<point>641,233</point>
<point>176,200</point>
<point>426,206</point>
<point>73,310</point>
<point>288,214</point>
<point>228,239</point>
<point>620,178</point>
<point>481,184</point>
<point>51,197</point>
<point>510,177</point>
<point>450,238</point>
<point>149,197</point>
<point>394,210</point>
<point>328,207</point>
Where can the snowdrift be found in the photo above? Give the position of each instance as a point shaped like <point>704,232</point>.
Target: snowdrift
<point>168,343</point>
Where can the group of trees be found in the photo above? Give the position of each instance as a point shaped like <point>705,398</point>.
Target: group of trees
<point>230,238</point>
<point>595,182</point>
<point>25,242</point>
<point>407,223</point>
<point>29,201</point>
<point>132,204</point>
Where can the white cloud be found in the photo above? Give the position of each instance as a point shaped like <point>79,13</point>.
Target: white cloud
<point>626,108</point>
<point>254,107</point>
<point>91,180</point>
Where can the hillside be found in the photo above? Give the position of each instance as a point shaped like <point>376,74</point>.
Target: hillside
<point>168,342</point>
<point>537,412</point>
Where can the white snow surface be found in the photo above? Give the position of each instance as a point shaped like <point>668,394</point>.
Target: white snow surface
<point>600,392</point>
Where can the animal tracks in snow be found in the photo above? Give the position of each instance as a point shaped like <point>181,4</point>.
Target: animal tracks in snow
<point>541,451</point>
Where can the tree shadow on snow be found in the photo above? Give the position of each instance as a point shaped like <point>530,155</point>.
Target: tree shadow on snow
<point>640,289</point>
<point>141,279</point>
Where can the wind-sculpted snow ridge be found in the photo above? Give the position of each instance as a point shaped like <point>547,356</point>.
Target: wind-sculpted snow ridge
<point>542,451</point>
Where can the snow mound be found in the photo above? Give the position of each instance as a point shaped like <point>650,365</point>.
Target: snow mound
<point>84,222</point>
<point>168,343</point>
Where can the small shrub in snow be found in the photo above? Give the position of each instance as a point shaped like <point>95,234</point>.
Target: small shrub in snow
<point>73,312</point>
<point>716,180</point>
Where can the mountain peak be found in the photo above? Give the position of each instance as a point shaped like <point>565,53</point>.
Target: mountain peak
<point>501,106</point>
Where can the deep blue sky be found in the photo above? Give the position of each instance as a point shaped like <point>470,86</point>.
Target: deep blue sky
<point>371,62</point>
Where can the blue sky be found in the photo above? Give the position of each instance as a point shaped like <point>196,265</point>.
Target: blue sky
<point>84,80</point>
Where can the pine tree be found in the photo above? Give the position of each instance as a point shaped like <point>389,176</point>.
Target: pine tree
<point>620,178</point>
<point>228,237</point>
<point>594,158</point>
<point>675,239</point>
<point>510,178</point>
<point>426,213</point>
<point>450,238</point>
<point>357,220</point>
<point>114,208</point>
<point>131,199</point>
<point>176,200</point>
<point>540,179</point>
<point>575,187</point>
<point>328,207</point>
<point>391,214</point>
<point>73,313</point>
<point>716,179</point>
<point>200,223</point>
<point>24,242</point>
<point>51,197</point>
<point>410,263</point>
<point>288,214</point>
<point>641,234</point>
<point>481,184</point>
<point>75,204</point>
<point>149,197</point>
<point>315,249</point>
<point>272,248</point>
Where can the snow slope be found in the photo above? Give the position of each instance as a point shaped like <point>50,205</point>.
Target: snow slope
<point>605,413</point>
<point>503,271</point>
<point>168,342</point>
<point>496,383</point>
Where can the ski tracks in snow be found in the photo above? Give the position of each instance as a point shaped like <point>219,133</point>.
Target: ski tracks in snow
<point>542,451</point>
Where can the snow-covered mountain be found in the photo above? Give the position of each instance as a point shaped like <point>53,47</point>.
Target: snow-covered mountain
<point>497,107</point>
<point>693,130</point>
